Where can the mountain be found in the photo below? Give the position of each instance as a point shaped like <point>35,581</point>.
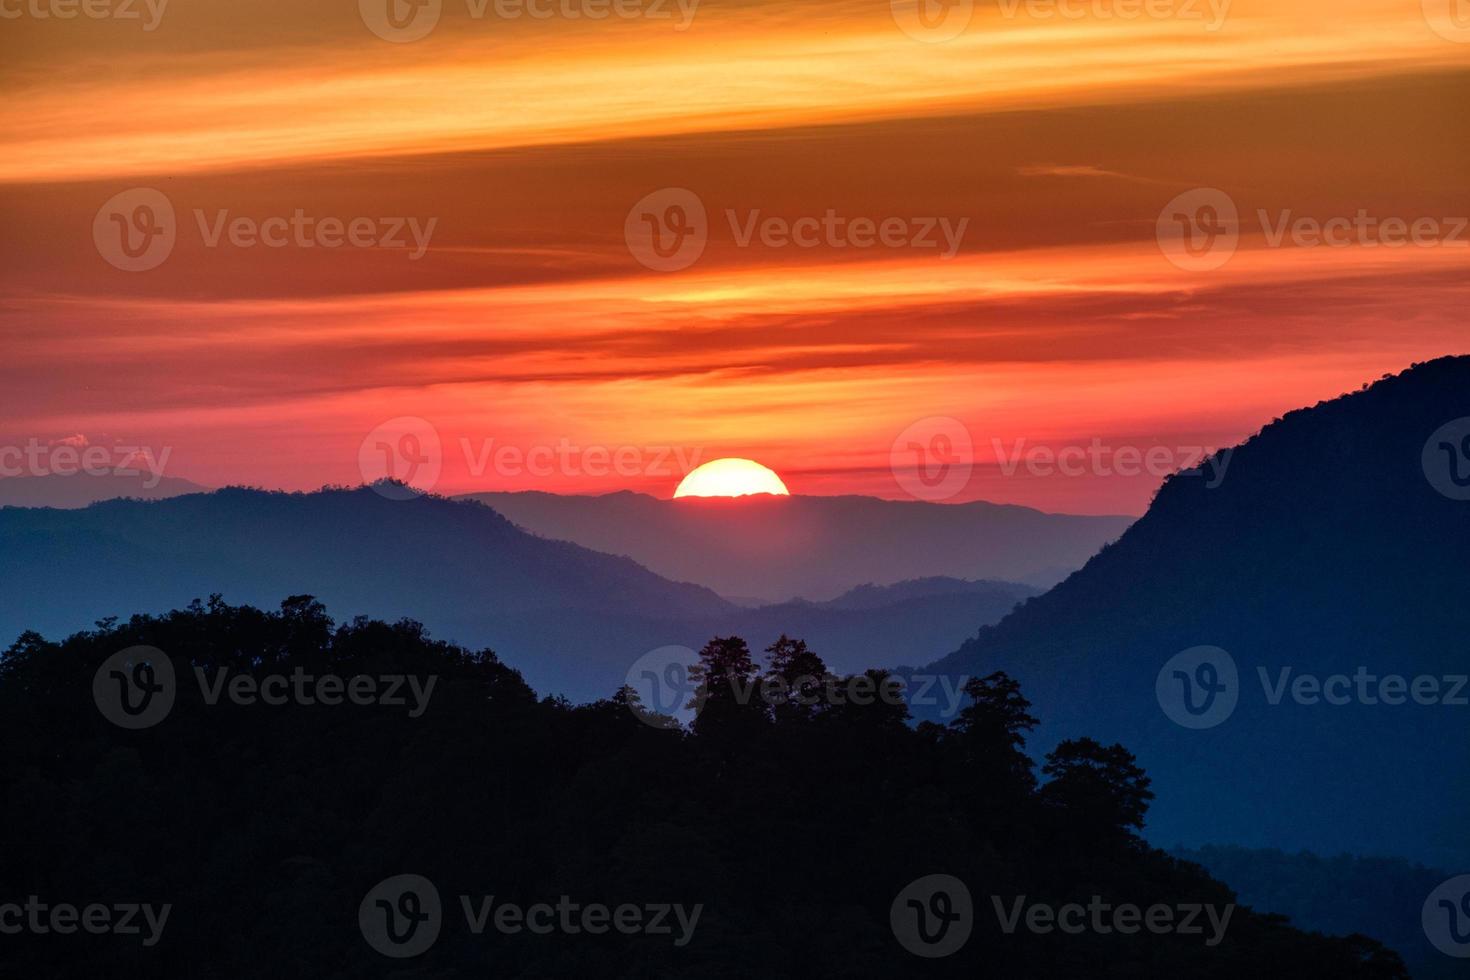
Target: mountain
<point>878,596</point>
<point>1338,896</point>
<point>782,548</point>
<point>1336,547</point>
<point>272,838</point>
<point>873,626</point>
<point>563,610</point>
<point>81,489</point>
<point>573,620</point>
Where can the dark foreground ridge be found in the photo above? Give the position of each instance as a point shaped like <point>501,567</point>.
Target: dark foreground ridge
<point>790,840</point>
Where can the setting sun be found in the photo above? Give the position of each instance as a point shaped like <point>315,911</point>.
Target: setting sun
<point>731,477</point>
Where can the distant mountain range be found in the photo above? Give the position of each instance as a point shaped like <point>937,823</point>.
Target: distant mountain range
<point>1338,896</point>
<point>82,489</point>
<point>779,548</point>
<point>1337,546</point>
<point>573,620</point>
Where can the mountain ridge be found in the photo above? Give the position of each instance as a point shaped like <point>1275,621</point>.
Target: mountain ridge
<point>1327,549</point>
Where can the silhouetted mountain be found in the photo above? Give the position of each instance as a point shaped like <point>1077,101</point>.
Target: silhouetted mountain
<point>1338,896</point>
<point>782,548</point>
<point>81,489</point>
<point>572,619</point>
<point>792,843</point>
<point>1326,550</point>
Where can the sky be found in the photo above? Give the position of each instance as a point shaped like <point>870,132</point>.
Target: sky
<point>1032,251</point>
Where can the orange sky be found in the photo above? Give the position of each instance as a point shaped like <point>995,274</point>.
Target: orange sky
<point>1048,146</point>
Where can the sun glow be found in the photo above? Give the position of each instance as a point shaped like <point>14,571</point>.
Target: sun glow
<point>731,477</point>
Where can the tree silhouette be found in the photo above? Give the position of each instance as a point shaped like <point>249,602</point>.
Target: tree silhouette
<point>266,826</point>
<point>795,680</point>
<point>1102,787</point>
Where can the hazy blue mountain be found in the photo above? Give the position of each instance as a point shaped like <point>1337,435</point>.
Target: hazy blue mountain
<point>876,596</point>
<point>1326,550</point>
<point>573,620</point>
<point>558,610</point>
<point>878,626</point>
<point>1337,896</point>
<point>81,489</point>
<point>783,548</point>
